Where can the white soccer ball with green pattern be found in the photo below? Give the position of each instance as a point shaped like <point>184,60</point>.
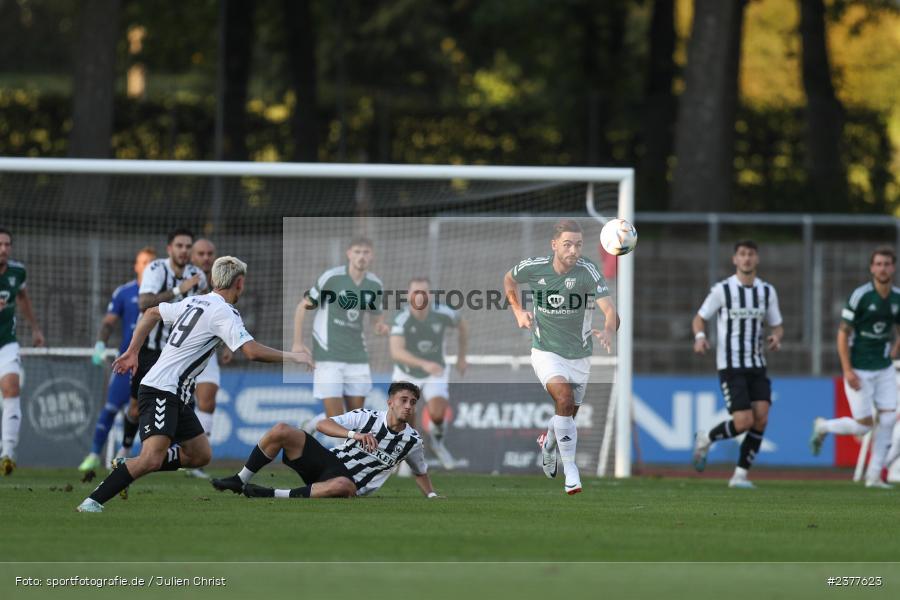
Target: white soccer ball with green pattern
<point>618,237</point>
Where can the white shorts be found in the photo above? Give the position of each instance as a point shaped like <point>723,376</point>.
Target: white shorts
<point>879,389</point>
<point>211,373</point>
<point>338,379</point>
<point>574,370</point>
<point>431,386</point>
<point>10,363</point>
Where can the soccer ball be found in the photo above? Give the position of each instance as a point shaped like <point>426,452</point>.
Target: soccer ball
<point>618,237</point>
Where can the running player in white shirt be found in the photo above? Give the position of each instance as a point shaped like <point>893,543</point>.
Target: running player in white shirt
<point>374,444</point>
<point>744,304</point>
<point>198,326</point>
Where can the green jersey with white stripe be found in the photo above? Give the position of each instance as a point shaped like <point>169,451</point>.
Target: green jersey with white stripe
<point>12,281</point>
<point>342,306</point>
<point>562,304</point>
<point>424,338</point>
<point>872,318</point>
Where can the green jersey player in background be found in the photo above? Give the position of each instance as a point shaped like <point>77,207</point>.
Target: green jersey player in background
<point>342,297</point>
<point>417,347</point>
<point>867,325</point>
<point>12,294</point>
<point>565,289</point>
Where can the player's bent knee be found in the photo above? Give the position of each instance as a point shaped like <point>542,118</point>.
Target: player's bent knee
<point>281,431</point>
<point>346,489</point>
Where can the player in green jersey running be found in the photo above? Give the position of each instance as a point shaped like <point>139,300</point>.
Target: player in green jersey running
<point>417,347</point>
<point>868,321</point>
<point>342,297</point>
<point>12,294</point>
<point>565,288</point>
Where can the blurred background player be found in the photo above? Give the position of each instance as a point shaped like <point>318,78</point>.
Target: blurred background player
<point>122,307</point>
<point>343,296</point>
<point>565,286</point>
<point>171,434</point>
<point>375,442</point>
<point>417,348</point>
<point>744,305</point>
<point>12,294</point>
<point>868,321</point>
<point>203,255</point>
<point>164,280</point>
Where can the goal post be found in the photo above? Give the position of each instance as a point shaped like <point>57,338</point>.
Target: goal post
<point>77,231</point>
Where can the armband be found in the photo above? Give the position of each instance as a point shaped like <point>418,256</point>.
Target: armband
<point>700,335</point>
<point>351,435</point>
<point>176,292</point>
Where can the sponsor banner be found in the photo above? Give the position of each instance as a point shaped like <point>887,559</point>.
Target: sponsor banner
<point>492,427</point>
<point>669,410</point>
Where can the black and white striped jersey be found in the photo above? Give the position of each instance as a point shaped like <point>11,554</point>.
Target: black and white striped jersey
<point>742,313</point>
<point>158,277</point>
<point>370,469</point>
<point>198,326</point>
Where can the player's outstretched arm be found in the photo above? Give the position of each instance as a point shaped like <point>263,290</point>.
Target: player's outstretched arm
<point>299,317</point>
<point>24,302</point>
<point>148,300</point>
<point>843,348</point>
<point>253,350</point>
<point>127,362</point>
<point>511,290</point>
<point>424,483</point>
<point>106,328</point>
<point>774,339</point>
<point>400,354</point>
<point>462,346</point>
<point>332,428</point>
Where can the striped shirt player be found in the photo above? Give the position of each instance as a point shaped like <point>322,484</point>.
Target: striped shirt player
<point>743,305</point>
<point>741,314</point>
<point>160,276</point>
<point>869,320</point>
<point>376,443</point>
<point>565,288</point>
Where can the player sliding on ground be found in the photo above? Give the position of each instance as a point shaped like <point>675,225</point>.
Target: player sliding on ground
<point>868,321</point>
<point>565,286</point>
<point>375,443</point>
<point>744,304</point>
<point>198,326</point>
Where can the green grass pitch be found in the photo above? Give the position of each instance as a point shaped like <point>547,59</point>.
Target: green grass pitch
<point>644,537</point>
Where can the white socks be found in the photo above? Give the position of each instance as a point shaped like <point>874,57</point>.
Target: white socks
<point>12,420</point>
<point>844,426</point>
<point>566,440</point>
<point>246,475</point>
<point>880,444</point>
<point>206,421</point>
<point>550,440</point>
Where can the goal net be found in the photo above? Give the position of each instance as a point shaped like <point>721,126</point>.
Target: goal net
<point>78,224</point>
